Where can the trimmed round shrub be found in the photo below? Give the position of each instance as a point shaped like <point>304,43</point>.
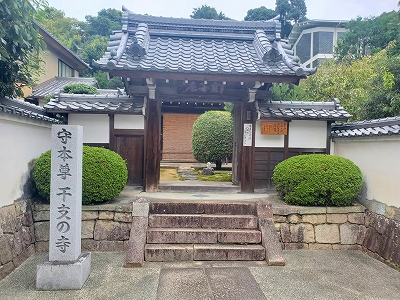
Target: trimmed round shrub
<point>104,174</point>
<point>318,179</point>
<point>212,136</point>
<point>79,88</point>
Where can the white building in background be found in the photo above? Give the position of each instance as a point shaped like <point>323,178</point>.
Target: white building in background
<point>315,40</point>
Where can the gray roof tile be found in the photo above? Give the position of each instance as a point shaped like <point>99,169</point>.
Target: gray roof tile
<point>302,110</point>
<point>102,103</point>
<point>378,127</point>
<point>27,110</point>
<point>200,46</point>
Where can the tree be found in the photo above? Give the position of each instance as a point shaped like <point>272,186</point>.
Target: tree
<point>106,21</point>
<point>368,36</point>
<point>288,92</point>
<point>207,12</point>
<point>290,11</point>
<point>212,137</point>
<point>87,39</point>
<point>19,46</point>
<point>69,31</point>
<point>260,14</point>
<point>368,88</point>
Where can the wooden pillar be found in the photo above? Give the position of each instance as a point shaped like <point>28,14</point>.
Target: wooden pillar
<point>248,141</point>
<point>111,139</point>
<point>328,137</point>
<point>152,140</point>
<point>237,142</point>
<point>286,142</point>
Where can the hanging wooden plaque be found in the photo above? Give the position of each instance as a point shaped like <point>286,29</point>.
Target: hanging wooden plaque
<point>276,128</point>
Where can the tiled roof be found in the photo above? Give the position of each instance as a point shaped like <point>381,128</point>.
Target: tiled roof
<point>56,84</point>
<point>102,103</point>
<point>379,127</point>
<point>27,110</point>
<point>159,44</point>
<point>302,110</point>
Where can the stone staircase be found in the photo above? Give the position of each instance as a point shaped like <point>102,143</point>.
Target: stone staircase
<point>165,231</point>
<point>203,231</point>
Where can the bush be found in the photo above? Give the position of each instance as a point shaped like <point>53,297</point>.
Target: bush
<point>104,174</point>
<point>318,179</point>
<point>79,88</point>
<point>212,137</point>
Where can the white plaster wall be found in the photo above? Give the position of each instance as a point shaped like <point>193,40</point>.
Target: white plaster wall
<point>22,141</point>
<point>95,127</point>
<point>307,134</point>
<point>379,160</point>
<point>266,140</point>
<point>128,122</point>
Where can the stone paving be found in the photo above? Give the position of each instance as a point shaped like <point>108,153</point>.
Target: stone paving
<point>309,274</point>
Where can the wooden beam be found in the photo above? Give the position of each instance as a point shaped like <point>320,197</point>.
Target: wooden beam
<point>152,141</point>
<point>207,77</point>
<point>128,132</point>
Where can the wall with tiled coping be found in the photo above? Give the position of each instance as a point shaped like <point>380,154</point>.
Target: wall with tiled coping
<point>24,229</point>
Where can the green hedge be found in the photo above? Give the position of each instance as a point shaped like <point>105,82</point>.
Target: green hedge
<point>212,136</point>
<point>318,179</point>
<point>104,174</point>
<point>79,88</point>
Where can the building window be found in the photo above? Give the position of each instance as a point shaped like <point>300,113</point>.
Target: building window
<point>303,47</point>
<point>64,70</point>
<point>323,42</point>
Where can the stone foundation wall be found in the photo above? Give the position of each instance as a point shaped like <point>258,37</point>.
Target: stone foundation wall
<point>17,240</point>
<point>104,227</point>
<point>320,227</point>
<point>24,229</point>
<point>382,239</point>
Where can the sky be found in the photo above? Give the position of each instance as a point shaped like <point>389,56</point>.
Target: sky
<point>316,9</point>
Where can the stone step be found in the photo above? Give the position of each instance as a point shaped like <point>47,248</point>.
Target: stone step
<point>203,252</point>
<point>203,208</point>
<point>187,186</point>
<point>203,221</point>
<point>202,236</point>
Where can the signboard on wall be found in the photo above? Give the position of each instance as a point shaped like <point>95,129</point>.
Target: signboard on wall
<point>247,135</point>
<point>274,128</point>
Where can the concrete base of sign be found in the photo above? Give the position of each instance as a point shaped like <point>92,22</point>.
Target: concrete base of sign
<point>56,275</point>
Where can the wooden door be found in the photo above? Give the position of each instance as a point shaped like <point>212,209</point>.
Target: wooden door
<point>131,148</point>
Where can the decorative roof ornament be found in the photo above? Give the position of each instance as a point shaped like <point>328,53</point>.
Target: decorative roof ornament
<point>140,42</point>
<point>272,56</point>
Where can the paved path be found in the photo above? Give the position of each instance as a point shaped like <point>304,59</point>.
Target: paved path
<point>309,274</point>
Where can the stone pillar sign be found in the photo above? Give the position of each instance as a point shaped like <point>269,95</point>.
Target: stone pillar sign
<point>67,267</point>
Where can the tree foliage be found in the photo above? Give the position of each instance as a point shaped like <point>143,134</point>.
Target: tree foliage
<point>87,39</point>
<point>212,136</point>
<point>288,92</point>
<point>368,88</point>
<point>208,12</point>
<point>368,36</point>
<point>289,11</point>
<point>19,46</point>
<point>104,23</point>
<point>260,13</point>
